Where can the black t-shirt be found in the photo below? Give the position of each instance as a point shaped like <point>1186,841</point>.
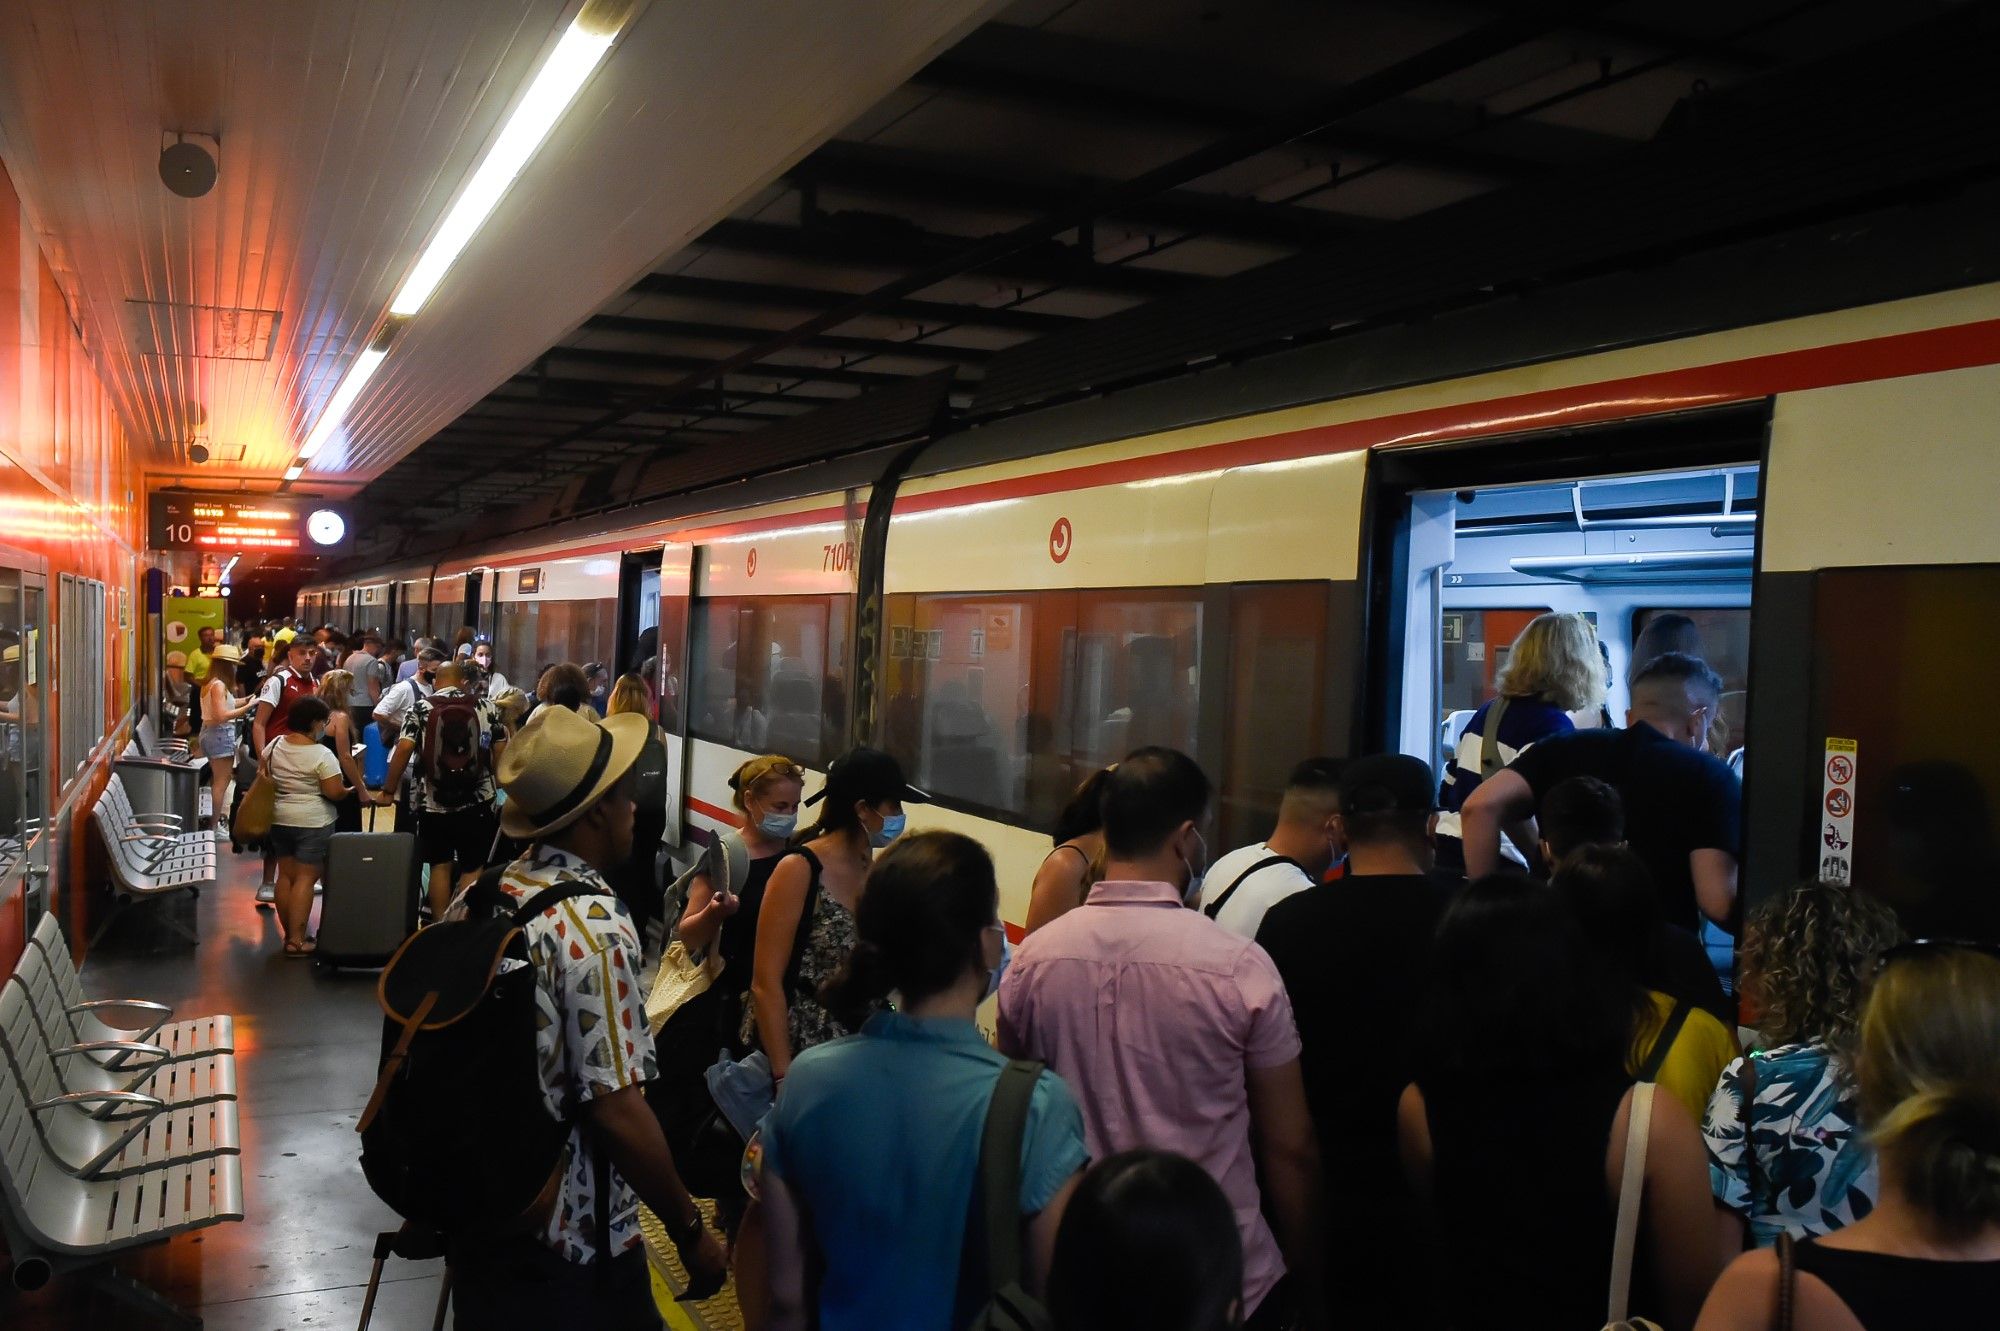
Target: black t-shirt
<point>1677,800</point>
<point>1355,955</point>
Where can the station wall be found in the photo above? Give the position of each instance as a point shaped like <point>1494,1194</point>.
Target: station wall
<point>70,492</point>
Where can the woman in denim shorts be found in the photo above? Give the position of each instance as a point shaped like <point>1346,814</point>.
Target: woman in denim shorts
<point>309,784</point>
<point>220,711</point>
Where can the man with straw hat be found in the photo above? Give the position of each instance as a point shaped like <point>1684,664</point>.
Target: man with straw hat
<point>568,780</point>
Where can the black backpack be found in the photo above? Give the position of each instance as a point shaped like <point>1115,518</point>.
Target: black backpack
<point>456,1137</point>
<point>454,761</point>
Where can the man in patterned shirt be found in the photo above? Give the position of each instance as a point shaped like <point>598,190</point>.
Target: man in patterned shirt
<point>568,780</point>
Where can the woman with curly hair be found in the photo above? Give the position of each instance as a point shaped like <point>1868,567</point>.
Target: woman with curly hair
<point>1798,1163</point>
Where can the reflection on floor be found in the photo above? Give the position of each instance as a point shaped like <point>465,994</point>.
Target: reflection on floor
<point>306,1047</point>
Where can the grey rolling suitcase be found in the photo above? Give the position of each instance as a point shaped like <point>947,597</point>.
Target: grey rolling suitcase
<point>370,905</point>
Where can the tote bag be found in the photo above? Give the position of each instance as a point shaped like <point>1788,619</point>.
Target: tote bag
<point>260,803</point>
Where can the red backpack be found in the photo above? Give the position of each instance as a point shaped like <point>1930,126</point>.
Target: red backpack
<point>454,759</point>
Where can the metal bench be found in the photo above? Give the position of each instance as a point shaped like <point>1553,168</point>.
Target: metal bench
<point>197,1079</point>
<point>79,1019</point>
<point>158,836</point>
<point>142,1132</point>
<point>148,868</point>
<point>146,737</point>
<point>57,1221</point>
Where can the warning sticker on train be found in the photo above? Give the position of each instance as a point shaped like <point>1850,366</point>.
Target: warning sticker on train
<point>1060,538</point>
<point>1837,799</point>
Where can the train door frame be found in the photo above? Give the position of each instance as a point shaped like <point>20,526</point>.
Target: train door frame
<point>474,581</point>
<point>633,565</point>
<point>1734,436</point>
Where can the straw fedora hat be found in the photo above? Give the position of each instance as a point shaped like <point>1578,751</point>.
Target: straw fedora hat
<point>560,764</point>
<point>227,651</point>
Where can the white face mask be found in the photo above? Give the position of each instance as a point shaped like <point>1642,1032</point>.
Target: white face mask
<point>1195,875</point>
<point>1006,956</point>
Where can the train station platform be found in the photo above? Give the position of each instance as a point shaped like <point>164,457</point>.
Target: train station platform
<point>306,1047</point>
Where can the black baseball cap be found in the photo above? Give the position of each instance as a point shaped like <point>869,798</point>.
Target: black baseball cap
<point>1388,783</point>
<point>867,774</point>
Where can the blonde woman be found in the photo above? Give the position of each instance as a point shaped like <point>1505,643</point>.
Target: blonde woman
<point>1786,1153</point>
<point>637,880</point>
<point>340,738</point>
<point>221,709</point>
<point>766,792</point>
<point>1928,1255</point>
<point>1553,669</point>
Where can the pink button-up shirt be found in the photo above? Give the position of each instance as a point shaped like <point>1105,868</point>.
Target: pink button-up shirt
<point>1154,1014</point>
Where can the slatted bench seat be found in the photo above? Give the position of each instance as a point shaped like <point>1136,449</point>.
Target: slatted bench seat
<point>158,835</point>
<point>141,1134</point>
<point>80,1019</point>
<point>56,1221</point>
<point>147,867</point>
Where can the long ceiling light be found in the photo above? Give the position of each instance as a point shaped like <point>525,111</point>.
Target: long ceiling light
<point>554,88</point>
<point>562,75</point>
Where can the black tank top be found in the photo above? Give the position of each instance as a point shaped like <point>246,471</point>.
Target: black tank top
<point>738,943</point>
<point>1519,1169</point>
<point>1887,1293</point>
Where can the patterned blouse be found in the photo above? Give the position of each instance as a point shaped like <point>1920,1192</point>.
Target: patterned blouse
<point>828,940</point>
<point>1813,1170</point>
<point>591,1034</point>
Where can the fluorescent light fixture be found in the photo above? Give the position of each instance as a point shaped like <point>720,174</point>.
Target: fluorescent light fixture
<point>581,47</point>
<point>350,388</point>
<point>296,470</point>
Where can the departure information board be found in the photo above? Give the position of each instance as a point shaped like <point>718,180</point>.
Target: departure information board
<point>184,520</point>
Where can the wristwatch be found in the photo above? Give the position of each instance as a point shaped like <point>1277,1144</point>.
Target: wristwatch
<point>689,1234</point>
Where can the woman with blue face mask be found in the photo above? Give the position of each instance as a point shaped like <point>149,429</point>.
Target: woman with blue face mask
<point>766,792</point>
<point>805,927</point>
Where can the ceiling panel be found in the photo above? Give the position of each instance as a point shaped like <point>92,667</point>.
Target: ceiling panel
<point>342,131</point>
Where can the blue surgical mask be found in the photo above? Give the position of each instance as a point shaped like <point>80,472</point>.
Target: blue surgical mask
<point>778,826</point>
<point>1196,873</point>
<point>892,827</point>
<point>1006,955</point>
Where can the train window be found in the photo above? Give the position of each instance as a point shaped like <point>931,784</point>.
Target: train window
<point>1721,637</point>
<point>1472,650</point>
<point>770,676</point>
<point>81,723</point>
<point>534,634</point>
<point>1005,702</point>
<point>960,708</point>
<point>1277,660</point>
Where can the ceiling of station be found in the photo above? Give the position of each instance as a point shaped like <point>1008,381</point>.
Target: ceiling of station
<point>1071,160</point>
<point>342,131</point>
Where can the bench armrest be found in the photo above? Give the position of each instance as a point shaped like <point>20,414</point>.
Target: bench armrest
<point>136,1047</point>
<point>131,1098</point>
<point>143,1004</point>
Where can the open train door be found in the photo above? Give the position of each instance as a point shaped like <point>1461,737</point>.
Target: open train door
<point>676,586</point>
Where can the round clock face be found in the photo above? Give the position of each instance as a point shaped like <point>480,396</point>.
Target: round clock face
<point>326,527</point>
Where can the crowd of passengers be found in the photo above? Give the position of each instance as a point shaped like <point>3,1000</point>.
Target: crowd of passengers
<point>1397,1064</point>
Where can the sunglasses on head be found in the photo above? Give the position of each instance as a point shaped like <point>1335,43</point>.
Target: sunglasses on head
<point>1923,946</point>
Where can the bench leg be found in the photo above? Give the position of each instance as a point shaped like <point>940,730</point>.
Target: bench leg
<point>145,1298</point>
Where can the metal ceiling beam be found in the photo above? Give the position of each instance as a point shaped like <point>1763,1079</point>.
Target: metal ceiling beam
<point>904,175</point>
<point>594,392</point>
<point>648,360</point>
<point>931,313</point>
<point>625,324</point>
<point>855,242</point>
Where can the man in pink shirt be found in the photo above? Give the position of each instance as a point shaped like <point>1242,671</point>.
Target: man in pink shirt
<point>1176,1034</point>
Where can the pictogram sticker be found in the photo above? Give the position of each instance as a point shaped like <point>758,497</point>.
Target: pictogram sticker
<point>750,563</point>
<point>1836,833</point>
<point>1061,537</point>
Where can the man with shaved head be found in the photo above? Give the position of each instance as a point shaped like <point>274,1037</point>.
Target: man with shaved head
<point>1683,806</point>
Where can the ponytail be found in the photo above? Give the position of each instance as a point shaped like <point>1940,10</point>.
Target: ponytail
<point>926,904</point>
<point>1945,1148</point>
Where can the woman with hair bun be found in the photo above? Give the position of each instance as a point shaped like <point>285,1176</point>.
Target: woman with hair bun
<point>1928,1255</point>
<point>766,792</point>
<point>1797,1162</point>
<point>869,1159</point>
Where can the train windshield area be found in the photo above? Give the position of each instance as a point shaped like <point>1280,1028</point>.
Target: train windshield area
<point>1655,560</point>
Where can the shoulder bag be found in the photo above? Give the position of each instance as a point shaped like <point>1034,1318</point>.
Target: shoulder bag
<point>683,976</point>
<point>993,1225</point>
<point>1631,1187</point>
<point>260,803</point>
<point>1788,1284</point>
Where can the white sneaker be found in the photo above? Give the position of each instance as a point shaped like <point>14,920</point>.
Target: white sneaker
<point>267,894</point>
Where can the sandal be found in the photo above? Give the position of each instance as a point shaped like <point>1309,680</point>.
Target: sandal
<point>294,948</point>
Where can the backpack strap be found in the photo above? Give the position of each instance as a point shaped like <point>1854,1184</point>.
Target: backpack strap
<point>1656,1058</point>
<point>1788,1282</point>
<point>1214,908</point>
<point>551,897</point>
<point>1638,1131</point>
<point>995,1220</point>
<point>1489,738</point>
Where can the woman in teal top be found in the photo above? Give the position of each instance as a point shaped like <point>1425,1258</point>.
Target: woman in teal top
<point>869,1157</point>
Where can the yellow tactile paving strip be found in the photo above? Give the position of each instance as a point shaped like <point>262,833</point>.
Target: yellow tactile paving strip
<point>717,1314</point>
